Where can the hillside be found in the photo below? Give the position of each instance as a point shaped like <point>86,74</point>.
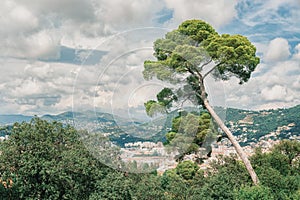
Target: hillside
<point>10,119</point>
<point>248,126</point>
<point>252,126</point>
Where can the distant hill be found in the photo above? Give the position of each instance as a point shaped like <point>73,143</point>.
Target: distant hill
<point>252,126</point>
<point>248,126</point>
<point>10,119</point>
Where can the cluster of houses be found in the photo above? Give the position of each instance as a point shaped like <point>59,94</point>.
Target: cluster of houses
<point>156,154</point>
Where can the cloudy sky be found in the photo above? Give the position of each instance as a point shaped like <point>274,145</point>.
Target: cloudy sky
<point>62,55</point>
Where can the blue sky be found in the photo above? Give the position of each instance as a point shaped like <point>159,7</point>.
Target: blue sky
<point>62,55</point>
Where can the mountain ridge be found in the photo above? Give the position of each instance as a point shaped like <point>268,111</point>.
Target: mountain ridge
<point>247,125</point>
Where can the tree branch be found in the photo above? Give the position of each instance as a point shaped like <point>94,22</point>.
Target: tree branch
<point>202,88</point>
<point>198,73</point>
<point>193,72</point>
<point>206,63</point>
<point>212,69</point>
<point>189,70</point>
<point>181,104</point>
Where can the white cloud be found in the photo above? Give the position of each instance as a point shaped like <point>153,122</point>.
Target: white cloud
<point>43,45</point>
<point>260,47</point>
<point>297,52</point>
<point>272,85</point>
<point>42,72</point>
<point>296,84</point>
<point>130,12</point>
<point>274,4</point>
<point>65,104</point>
<point>217,13</point>
<point>25,35</point>
<point>36,29</point>
<point>32,87</point>
<point>278,50</point>
<point>27,87</point>
<point>277,92</point>
<point>16,18</point>
<point>75,10</point>
<point>255,12</point>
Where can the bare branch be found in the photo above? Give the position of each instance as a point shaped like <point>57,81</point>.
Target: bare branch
<point>212,69</point>
<point>198,73</point>
<point>189,70</point>
<point>206,63</point>
<point>181,105</point>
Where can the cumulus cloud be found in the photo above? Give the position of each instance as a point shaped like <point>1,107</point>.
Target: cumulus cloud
<point>296,84</point>
<point>17,18</point>
<point>131,12</point>
<point>277,92</point>
<point>297,52</point>
<point>218,12</point>
<point>40,30</point>
<point>32,87</point>
<point>40,45</point>
<point>276,85</point>
<point>267,11</point>
<point>36,29</point>
<point>25,35</point>
<point>278,50</point>
<point>75,10</point>
<point>114,86</point>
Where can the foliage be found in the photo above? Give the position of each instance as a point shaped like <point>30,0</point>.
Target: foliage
<point>227,178</point>
<point>227,174</point>
<point>279,169</point>
<point>47,161</point>
<point>114,186</point>
<point>148,187</point>
<point>184,53</point>
<point>191,131</point>
<point>187,169</point>
<point>43,160</point>
<point>254,193</point>
<point>183,181</point>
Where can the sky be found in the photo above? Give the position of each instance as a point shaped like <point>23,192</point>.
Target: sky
<point>74,55</point>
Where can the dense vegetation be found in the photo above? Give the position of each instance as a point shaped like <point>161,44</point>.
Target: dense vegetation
<point>43,160</point>
<point>190,131</point>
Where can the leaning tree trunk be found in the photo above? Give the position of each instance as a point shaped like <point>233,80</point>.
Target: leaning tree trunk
<point>226,130</point>
<point>236,145</point>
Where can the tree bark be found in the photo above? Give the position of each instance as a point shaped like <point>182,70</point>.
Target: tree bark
<point>236,145</point>
<point>226,130</point>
